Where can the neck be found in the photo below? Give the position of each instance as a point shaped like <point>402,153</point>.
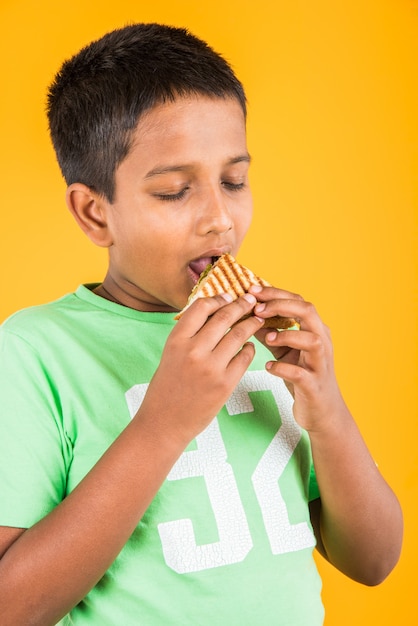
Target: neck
<point>112,291</point>
<point>101,291</point>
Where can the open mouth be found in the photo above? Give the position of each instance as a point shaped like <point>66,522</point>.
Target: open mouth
<point>198,266</point>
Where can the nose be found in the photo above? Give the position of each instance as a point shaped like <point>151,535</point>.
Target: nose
<point>215,216</point>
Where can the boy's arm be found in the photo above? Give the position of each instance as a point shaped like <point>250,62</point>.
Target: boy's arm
<point>358,521</point>
<point>360,517</point>
<point>55,563</point>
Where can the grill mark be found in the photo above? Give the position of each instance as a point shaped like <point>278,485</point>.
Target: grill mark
<point>229,276</point>
<point>221,279</point>
<point>240,274</point>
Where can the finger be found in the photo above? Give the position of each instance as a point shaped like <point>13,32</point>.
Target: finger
<point>278,352</point>
<point>200,311</point>
<point>304,312</point>
<point>313,347</point>
<point>289,372</point>
<point>263,294</point>
<point>238,335</point>
<point>240,362</point>
<point>236,318</point>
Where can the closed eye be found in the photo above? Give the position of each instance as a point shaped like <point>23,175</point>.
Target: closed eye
<point>233,186</point>
<point>172,197</point>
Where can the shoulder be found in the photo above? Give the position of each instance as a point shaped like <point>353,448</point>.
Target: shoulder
<point>36,319</point>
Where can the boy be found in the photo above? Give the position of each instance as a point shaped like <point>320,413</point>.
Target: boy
<point>153,471</point>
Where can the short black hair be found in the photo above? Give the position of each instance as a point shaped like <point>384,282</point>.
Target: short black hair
<point>96,99</point>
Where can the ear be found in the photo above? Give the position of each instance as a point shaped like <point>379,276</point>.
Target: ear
<point>89,210</point>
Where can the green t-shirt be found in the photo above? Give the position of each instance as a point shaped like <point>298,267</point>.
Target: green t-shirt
<point>227,540</point>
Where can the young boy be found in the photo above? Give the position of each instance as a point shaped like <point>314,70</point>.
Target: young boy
<point>159,472</point>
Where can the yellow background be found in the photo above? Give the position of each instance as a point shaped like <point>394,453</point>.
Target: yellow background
<point>333,107</point>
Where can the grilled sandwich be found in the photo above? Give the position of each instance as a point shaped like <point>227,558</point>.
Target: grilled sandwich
<point>226,275</point>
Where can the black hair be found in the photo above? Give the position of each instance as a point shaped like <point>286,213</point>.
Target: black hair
<point>96,99</point>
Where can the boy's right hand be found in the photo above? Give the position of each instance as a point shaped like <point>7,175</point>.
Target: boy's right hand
<point>203,360</point>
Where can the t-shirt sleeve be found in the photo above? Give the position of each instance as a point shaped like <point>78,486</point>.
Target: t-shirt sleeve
<point>313,492</point>
<point>34,451</point>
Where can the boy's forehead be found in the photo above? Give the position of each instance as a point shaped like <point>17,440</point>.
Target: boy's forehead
<point>187,133</point>
<point>167,115</point>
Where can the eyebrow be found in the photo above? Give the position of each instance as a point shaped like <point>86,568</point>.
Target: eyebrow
<point>159,170</point>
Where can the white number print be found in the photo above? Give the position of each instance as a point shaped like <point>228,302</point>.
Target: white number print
<point>283,536</point>
<point>180,550</point>
<point>209,461</point>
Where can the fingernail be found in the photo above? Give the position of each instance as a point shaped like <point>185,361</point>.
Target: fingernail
<point>227,297</point>
<point>256,288</point>
<point>271,336</point>
<point>250,298</point>
<point>260,307</point>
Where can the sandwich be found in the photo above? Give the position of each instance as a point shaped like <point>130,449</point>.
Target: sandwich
<point>226,275</point>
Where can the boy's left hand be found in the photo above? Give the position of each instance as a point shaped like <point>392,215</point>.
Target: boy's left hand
<point>358,520</point>
<point>304,358</point>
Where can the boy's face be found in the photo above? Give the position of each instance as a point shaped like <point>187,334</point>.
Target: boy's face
<point>182,197</point>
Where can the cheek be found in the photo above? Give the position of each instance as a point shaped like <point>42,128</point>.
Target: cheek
<point>243,220</point>
<point>151,237</point>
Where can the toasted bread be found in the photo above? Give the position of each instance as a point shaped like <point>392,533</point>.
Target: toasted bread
<point>226,275</point>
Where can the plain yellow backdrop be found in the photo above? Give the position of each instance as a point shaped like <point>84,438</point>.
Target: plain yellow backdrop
<point>333,101</point>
